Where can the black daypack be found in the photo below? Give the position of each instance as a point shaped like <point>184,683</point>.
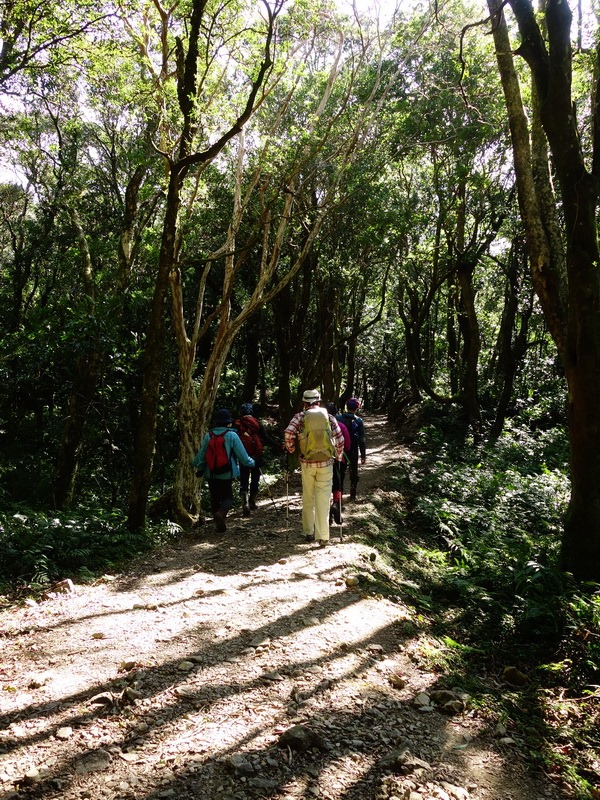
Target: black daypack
<point>350,422</point>
<point>217,460</point>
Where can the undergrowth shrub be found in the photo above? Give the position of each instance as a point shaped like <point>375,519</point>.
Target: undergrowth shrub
<point>497,511</point>
<point>480,541</point>
<point>37,549</point>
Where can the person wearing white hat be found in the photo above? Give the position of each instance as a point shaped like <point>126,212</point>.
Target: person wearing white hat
<point>320,440</point>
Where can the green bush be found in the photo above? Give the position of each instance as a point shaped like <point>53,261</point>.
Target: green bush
<point>498,511</point>
<point>37,549</point>
<point>480,539</point>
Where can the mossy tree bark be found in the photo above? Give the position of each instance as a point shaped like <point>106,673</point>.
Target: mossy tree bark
<point>178,165</point>
<point>571,308</point>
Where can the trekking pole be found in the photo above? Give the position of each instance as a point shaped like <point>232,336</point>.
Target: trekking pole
<point>260,472</point>
<point>200,515</point>
<point>287,497</point>
<point>339,466</point>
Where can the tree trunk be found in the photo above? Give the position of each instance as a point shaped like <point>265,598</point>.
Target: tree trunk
<point>413,357</point>
<point>326,308</point>
<point>145,441</point>
<point>284,394</point>
<point>185,494</point>
<point>471,348</point>
<point>547,276</point>
<point>290,309</point>
<point>251,351</point>
<point>193,414</point>
<point>467,317</point>
<point>178,167</point>
<point>350,370</point>
<point>581,540</point>
<point>89,369</point>
<point>452,337</point>
<point>580,550</point>
<point>576,333</point>
<point>512,344</point>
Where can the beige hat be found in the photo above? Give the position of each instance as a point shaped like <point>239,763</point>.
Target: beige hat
<point>311,396</point>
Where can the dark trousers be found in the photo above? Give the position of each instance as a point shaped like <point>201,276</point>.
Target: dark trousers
<point>221,494</point>
<point>353,466</point>
<point>249,479</point>
<point>339,473</point>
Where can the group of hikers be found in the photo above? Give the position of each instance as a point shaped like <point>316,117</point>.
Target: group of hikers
<point>328,444</point>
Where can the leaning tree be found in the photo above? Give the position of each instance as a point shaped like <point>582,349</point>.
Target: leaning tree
<point>564,256</point>
<point>187,58</point>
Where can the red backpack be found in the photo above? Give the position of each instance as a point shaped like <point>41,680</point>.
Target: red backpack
<point>249,433</point>
<point>217,460</point>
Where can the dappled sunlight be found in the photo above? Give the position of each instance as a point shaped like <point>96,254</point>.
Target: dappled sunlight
<point>245,726</point>
<point>374,451</point>
<point>181,677</point>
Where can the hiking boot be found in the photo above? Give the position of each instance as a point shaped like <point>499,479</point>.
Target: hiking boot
<point>220,521</point>
<point>353,493</point>
<point>308,537</point>
<point>253,505</point>
<point>245,507</point>
<point>323,542</point>
<point>336,514</point>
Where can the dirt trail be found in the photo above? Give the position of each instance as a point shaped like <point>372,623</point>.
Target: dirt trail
<point>178,678</point>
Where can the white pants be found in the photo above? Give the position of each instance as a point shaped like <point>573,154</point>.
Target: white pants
<point>316,491</point>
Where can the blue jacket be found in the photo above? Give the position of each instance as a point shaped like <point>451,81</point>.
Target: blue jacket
<point>235,450</point>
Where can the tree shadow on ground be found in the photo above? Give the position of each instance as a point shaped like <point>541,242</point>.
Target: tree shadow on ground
<point>212,728</point>
<point>160,684</point>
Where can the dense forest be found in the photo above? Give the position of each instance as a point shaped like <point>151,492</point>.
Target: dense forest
<point>206,203</point>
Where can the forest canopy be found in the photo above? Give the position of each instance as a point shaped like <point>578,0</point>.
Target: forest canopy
<point>210,203</point>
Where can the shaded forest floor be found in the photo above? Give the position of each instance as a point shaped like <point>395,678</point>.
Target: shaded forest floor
<point>183,676</point>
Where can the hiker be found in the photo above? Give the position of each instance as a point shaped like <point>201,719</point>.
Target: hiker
<point>218,458</point>
<point>339,469</point>
<point>320,440</point>
<point>356,429</point>
<point>251,433</point>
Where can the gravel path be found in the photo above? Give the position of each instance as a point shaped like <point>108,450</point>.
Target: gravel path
<point>241,665</point>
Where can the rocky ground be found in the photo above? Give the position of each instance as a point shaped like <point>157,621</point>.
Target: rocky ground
<point>243,665</point>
